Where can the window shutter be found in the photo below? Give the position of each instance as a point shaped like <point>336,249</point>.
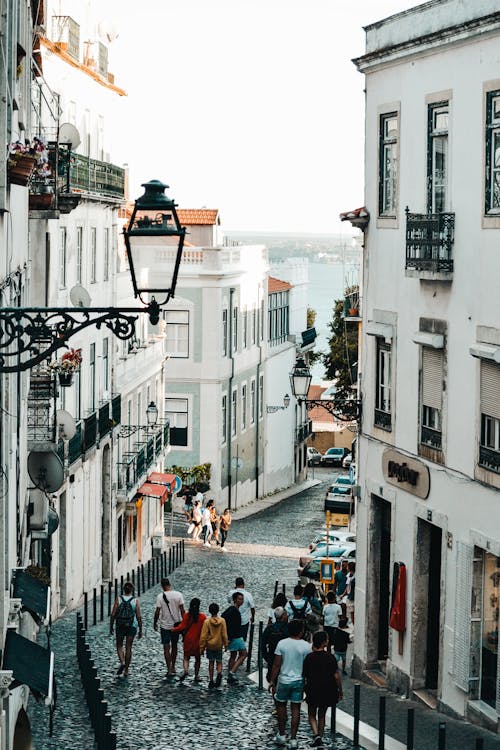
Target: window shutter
<point>463,595</point>
<point>432,377</point>
<point>490,389</point>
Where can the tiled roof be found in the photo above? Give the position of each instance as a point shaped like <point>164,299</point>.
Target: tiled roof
<point>317,413</point>
<point>277,285</point>
<point>315,391</point>
<point>204,216</point>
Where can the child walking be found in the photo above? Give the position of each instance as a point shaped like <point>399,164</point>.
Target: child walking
<point>214,639</point>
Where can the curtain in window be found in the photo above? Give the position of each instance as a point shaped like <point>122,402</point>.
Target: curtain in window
<point>432,377</point>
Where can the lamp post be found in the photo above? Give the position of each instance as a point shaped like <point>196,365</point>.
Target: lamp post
<point>273,409</point>
<point>126,430</point>
<point>154,242</point>
<point>343,409</point>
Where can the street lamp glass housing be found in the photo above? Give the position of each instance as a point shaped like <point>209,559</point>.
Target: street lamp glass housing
<point>154,240</point>
<point>286,401</point>
<point>152,414</point>
<point>300,379</point>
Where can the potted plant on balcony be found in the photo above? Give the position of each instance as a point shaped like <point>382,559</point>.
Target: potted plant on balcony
<point>352,300</point>
<point>41,187</point>
<point>22,159</point>
<point>67,366</point>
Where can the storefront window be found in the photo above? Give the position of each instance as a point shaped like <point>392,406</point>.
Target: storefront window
<point>489,650</point>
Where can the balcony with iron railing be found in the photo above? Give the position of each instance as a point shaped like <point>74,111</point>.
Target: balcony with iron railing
<point>430,437</point>
<point>135,463</point>
<point>489,459</point>
<point>382,420</point>
<point>429,245</point>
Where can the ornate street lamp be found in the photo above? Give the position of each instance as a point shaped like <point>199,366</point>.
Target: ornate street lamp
<point>286,404</point>
<point>126,430</point>
<point>152,414</point>
<point>343,409</point>
<point>154,241</point>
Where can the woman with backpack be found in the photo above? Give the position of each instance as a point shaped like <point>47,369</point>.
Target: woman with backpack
<point>190,628</point>
<point>126,615</point>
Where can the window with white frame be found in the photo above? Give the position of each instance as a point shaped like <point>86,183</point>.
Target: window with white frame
<point>252,401</point>
<point>177,413</point>
<point>234,403</point>
<point>93,255</point>
<point>388,163</point>
<point>383,414</point>
<point>224,333</point>
<point>489,443</point>
<point>492,156</point>
<point>79,255</point>
<point>62,257</point>
<point>235,329</point>
<point>431,397</point>
<point>177,333</point>
<point>224,418</point>
<point>106,255</point>
<point>244,406</point>
<point>437,157</point>
<point>261,396</point>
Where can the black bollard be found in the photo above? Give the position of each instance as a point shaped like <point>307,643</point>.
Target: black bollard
<point>85,610</point>
<point>410,728</point>
<point>170,560</point>
<point>101,604</point>
<point>357,702</point>
<point>275,590</point>
<point>381,723</point>
<point>121,584</point>
<point>284,589</point>
<point>149,574</point>
<point>183,550</point>
<point>442,736</point>
<point>479,743</point>
<point>133,578</point>
<point>260,660</point>
<point>250,646</point>
<point>176,556</point>
<point>162,565</point>
<point>333,720</point>
<point>94,607</point>
<point>138,581</point>
<point>109,598</point>
<point>116,588</point>
<point>142,577</point>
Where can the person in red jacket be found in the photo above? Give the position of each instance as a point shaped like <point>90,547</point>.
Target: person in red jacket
<point>190,626</point>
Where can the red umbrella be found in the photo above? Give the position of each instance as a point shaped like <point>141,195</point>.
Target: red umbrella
<point>398,611</point>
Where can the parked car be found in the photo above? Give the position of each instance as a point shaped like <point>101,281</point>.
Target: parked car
<point>311,569</point>
<point>328,550</point>
<point>347,461</point>
<point>335,536</point>
<point>338,496</point>
<point>333,456</point>
<point>314,457</point>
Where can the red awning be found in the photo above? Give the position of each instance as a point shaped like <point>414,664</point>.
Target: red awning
<point>154,490</point>
<point>156,477</point>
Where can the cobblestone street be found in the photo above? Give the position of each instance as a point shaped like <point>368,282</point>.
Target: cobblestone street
<point>150,714</point>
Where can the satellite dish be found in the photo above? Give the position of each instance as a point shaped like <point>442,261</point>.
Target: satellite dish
<point>79,296</point>
<point>46,470</point>
<point>69,134</point>
<point>65,424</point>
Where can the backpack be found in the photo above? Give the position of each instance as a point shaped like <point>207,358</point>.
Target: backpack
<point>299,613</point>
<point>125,614</point>
<point>274,636</point>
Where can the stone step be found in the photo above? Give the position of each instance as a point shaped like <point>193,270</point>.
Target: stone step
<point>427,697</point>
<point>375,677</point>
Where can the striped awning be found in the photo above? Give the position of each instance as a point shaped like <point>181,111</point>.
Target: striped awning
<point>159,491</point>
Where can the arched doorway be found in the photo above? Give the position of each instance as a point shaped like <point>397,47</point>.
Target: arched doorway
<point>22,732</point>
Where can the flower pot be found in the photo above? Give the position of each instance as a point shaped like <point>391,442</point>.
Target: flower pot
<point>65,378</point>
<point>41,201</point>
<point>21,170</point>
<point>353,312</point>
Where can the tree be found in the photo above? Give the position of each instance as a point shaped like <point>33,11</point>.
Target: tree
<point>342,358</point>
<point>312,356</point>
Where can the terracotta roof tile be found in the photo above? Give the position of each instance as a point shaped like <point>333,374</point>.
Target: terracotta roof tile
<point>204,216</point>
<point>277,285</point>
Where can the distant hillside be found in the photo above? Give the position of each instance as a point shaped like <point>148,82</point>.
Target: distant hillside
<point>288,245</point>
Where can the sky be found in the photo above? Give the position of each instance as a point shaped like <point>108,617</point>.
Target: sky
<point>249,106</point>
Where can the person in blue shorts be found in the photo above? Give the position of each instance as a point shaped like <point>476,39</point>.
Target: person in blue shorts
<point>237,646</point>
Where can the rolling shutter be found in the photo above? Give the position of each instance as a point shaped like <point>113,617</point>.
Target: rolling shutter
<point>462,632</point>
<point>432,377</point>
<point>490,389</point>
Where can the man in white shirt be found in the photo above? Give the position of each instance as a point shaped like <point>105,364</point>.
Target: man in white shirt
<point>247,609</point>
<point>170,611</point>
<point>287,683</point>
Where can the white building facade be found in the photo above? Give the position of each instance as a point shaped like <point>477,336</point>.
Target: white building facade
<point>429,452</point>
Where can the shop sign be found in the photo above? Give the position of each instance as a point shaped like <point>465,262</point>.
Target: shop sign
<point>406,473</point>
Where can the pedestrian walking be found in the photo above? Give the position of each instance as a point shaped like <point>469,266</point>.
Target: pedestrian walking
<point>126,617</point>
<point>190,628</point>
<point>332,612</point>
<point>313,620</point>
<point>322,685</point>
<point>279,600</point>
<point>341,640</point>
<point>169,611</point>
<point>236,647</point>
<point>196,520</point>
<point>272,635</point>
<point>298,608</point>
<point>247,609</point>
<point>287,683</point>
<point>206,523</point>
<point>214,520</point>
<point>213,640</point>
<point>350,589</point>
<point>340,580</point>
<point>199,496</point>
<point>224,523</point>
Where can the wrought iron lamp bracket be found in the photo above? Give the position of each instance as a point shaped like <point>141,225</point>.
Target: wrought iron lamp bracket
<point>348,410</point>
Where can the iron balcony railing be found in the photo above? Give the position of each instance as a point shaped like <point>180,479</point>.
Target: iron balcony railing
<point>116,410</point>
<point>382,419</point>
<point>94,177</point>
<point>105,422</point>
<point>489,459</point>
<point>89,431</point>
<point>430,437</point>
<point>75,445</point>
<point>429,242</point>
